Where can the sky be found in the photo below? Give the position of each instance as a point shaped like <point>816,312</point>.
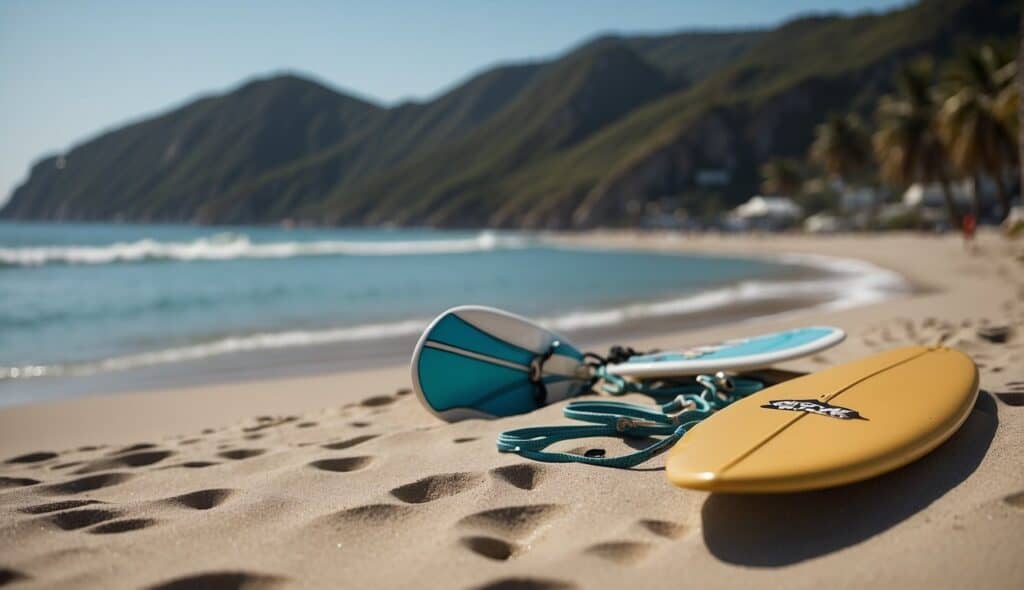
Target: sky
<point>71,69</point>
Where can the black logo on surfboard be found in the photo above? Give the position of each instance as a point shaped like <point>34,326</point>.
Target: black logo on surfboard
<point>813,406</point>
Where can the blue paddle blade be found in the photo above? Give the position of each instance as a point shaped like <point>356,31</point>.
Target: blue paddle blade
<point>480,362</point>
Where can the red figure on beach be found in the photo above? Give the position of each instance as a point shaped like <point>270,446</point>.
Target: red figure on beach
<point>968,226</point>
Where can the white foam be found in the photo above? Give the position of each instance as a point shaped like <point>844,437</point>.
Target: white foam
<point>848,283</point>
<point>235,246</point>
<point>262,341</point>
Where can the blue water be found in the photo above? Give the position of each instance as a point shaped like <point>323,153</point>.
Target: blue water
<point>87,298</point>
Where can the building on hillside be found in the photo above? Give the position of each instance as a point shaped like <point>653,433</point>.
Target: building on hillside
<point>766,213</point>
<point>825,223</point>
<point>929,196</point>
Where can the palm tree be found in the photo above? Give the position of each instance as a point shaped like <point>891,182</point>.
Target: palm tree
<point>781,176</point>
<point>907,143</point>
<point>979,141</point>
<point>842,146</point>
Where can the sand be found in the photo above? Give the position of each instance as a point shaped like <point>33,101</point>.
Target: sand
<point>344,481</point>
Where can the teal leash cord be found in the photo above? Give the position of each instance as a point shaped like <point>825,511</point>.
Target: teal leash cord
<point>692,403</point>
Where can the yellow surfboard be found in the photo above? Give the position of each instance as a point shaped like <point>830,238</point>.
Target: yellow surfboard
<point>843,424</point>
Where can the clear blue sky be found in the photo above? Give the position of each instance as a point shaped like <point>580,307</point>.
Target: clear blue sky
<point>69,70</point>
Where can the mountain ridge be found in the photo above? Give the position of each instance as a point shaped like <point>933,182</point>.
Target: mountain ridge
<point>573,141</point>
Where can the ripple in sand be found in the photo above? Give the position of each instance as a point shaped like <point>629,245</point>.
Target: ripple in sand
<point>342,464</point>
<point>223,581</point>
<point>524,476</point>
<point>436,487</point>
<point>519,521</point>
<point>122,526</point>
<point>203,499</point>
<point>621,552</point>
<point>77,519</point>
<point>490,547</point>
<point>522,583</point>
<point>88,483</point>
<point>32,457</point>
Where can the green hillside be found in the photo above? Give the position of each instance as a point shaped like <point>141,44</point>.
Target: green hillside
<point>586,139</point>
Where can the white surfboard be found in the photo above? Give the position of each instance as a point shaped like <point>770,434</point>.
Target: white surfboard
<point>744,354</point>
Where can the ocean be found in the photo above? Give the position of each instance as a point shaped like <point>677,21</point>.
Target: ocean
<point>153,303</point>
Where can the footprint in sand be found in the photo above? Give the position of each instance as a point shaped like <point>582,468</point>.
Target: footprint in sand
<point>377,401</point>
<point>66,465</point>
<point>122,526</point>
<point>345,444</point>
<point>465,439</point>
<point>268,422</point>
<point>88,483</point>
<point>663,528</point>
<point>514,521</point>
<point>32,457</point>
<point>377,514</point>
<point>524,476</point>
<point>490,547</point>
<point>223,581</point>
<point>620,552</point>
<point>360,424</point>
<point>201,500</point>
<point>239,454</point>
<point>16,482</point>
<point>436,487</point>
<point>135,448</point>
<point>342,464</point>
<point>1015,500</point>
<point>132,459</point>
<point>55,506</point>
<point>192,465</point>
<point>307,424</point>
<point>9,576</point>
<point>70,520</point>
<point>522,583</point>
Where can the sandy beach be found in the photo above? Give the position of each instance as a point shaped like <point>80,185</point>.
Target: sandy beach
<point>343,480</point>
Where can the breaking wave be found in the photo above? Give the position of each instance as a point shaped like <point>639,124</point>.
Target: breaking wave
<point>229,246</point>
<point>848,283</point>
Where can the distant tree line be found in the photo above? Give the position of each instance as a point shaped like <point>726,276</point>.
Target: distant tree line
<point>942,124</point>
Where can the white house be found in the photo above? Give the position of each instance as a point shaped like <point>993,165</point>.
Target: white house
<point>767,212</point>
<point>930,195</point>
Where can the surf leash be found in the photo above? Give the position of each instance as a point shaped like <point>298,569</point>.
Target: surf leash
<point>692,402</point>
